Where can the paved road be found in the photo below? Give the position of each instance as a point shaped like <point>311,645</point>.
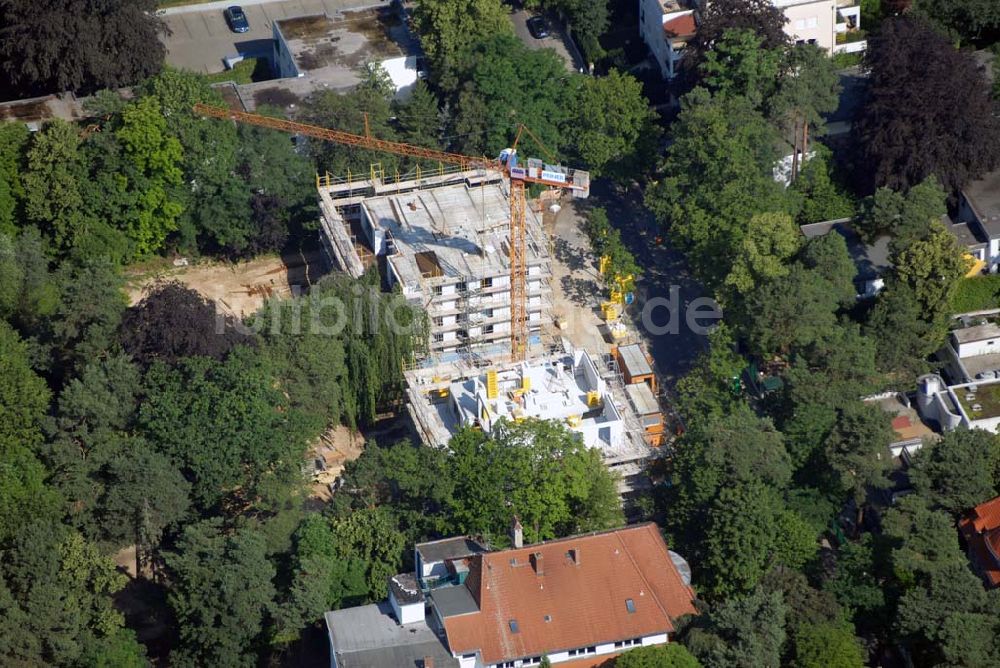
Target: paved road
<point>557,40</point>
<point>663,268</point>
<point>200,40</point>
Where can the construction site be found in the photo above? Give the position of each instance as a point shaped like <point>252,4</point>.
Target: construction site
<point>444,241</point>
<point>463,243</point>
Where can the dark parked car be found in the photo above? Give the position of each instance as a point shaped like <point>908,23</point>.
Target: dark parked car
<point>236,19</point>
<point>538,27</point>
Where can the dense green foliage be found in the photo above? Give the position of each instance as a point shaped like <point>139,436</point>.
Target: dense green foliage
<point>57,46</point>
<point>672,655</point>
<point>977,293</point>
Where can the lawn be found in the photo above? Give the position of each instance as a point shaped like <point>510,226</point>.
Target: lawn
<point>246,71</point>
<point>978,293</point>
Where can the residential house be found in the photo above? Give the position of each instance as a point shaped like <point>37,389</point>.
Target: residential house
<point>980,530</point>
<point>870,260</point>
<point>666,27</point>
<point>972,352</point>
<point>578,601</point>
<point>979,210</point>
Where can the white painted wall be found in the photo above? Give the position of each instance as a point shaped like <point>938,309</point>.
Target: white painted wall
<point>973,348</point>
<point>811,21</point>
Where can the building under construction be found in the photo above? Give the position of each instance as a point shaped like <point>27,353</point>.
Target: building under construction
<point>612,411</point>
<point>444,239</point>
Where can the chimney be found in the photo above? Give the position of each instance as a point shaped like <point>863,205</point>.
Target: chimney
<point>428,662</point>
<point>574,554</point>
<point>516,533</point>
<point>536,561</point>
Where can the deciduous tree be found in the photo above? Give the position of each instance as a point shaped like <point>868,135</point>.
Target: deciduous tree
<point>671,655</point>
<point>957,142</point>
<point>449,28</point>
<point>959,471</point>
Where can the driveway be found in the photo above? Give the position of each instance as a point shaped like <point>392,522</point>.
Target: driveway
<point>200,40</point>
<point>557,40</point>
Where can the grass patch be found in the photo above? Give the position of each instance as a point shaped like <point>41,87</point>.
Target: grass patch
<point>986,396</point>
<point>845,60</point>
<point>977,294</point>
<point>246,71</point>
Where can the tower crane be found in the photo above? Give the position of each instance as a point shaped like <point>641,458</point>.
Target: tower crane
<point>508,164</point>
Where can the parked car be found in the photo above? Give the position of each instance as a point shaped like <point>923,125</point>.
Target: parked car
<point>236,19</point>
<point>538,27</point>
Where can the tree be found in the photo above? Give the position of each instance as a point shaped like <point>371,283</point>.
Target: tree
<point>222,590</point>
<point>828,256</point>
<point>809,89</point>
<point>971,20</point>
<point>741,530</point>
<point>957,144</point>
<point>740,632</point>
<point>924,540</point>
<point>830,645</point>
<point>718,175</point>
<point>449,28</point>
<point>156,157</point>
<point>931,268</point>
<point>539,471</point>
<point>226,425</point>
<point>770,240</point>
<point>857,451</point>
<point>739,65</point>
<point>614,131</point>
<point>52,182</point>
<point>173,322</point>
<point>55,594</point>
<point>823,198</point>
<point>795,311</point>
<point>862,582</point>
<point>671,655</point>
<point>507,84</point>
<point>758,16</point>
<point>903,216</point>
<point>959,471</point>
<point>13,143</point>
<point>90,308</point>
<point>53,46</point>
<point>24,401</point>
<point>419,118</point>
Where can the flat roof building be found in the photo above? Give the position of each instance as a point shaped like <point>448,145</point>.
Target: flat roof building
<point>444,239</point>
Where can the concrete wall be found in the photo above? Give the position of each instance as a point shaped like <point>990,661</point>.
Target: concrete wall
<point>284,61</point>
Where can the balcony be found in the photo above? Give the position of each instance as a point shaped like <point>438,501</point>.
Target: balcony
<point>851,42</point>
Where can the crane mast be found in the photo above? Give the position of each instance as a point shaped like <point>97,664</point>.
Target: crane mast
<point>532,171</point>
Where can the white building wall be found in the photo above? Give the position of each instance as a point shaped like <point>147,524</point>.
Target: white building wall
<point>812,22</point>
<point>973,348</point>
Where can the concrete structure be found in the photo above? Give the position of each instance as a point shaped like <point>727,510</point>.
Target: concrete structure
<point>666,26</point>
<point>964,405</point>
<point>579,601</point>
<point>911,431</point>
<point>444,240</point>
<point>973,351</point>
<point>587,396</point>
<point>335,51</point>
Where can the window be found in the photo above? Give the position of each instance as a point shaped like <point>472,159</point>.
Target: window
<point>437,290</point>
<point>811,22</point>
<point>630,605</point>
<point>437,337</point>
<point>486,283</point>
<point>800,24</point>
<point>628,643</point>
<point>488,329</point>
<point>438,321</point>
<point>513,626</point>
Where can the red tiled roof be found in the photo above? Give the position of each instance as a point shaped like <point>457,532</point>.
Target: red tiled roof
<point>681,26</point>
<point>981,530</point>
<point>584,600</point>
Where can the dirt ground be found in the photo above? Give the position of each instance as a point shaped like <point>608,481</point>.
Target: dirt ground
<point>238,288</point>
<point>577,288</point>
<point>334,448</point>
